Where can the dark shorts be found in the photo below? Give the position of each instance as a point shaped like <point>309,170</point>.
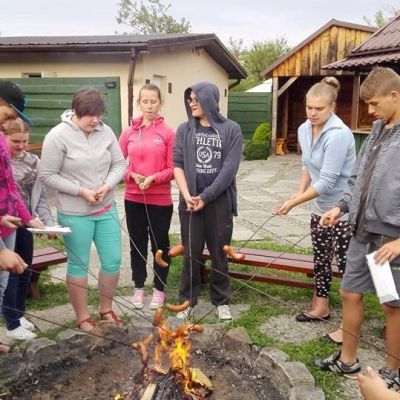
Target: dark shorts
<point>357,278</point>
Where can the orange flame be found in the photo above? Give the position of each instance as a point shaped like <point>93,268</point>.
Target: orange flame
<point>172,352</point>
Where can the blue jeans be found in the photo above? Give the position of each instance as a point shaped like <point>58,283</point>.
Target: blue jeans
<point>17,288</point>
<point>9,242</point>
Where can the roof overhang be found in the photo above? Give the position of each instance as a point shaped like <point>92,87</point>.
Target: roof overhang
<point>125,43</point>
<point>364,63</point>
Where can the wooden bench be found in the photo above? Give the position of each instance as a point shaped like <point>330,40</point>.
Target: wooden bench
<point>267,259</point>
<point>42,259</point>
<point>34,147</point>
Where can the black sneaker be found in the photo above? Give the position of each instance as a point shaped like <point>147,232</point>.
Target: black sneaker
<point>333,364</point>
<point>391,378</point>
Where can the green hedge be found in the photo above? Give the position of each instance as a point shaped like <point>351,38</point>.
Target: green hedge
<point>258,148</point>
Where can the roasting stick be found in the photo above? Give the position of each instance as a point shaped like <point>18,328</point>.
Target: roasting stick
<point>246,283</point>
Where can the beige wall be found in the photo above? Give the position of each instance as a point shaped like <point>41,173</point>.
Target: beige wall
<point>181,69</point>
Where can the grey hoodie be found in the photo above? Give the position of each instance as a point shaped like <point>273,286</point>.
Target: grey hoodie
<point>383,202</point>
<point>232,146</point>
<point>71,159</point>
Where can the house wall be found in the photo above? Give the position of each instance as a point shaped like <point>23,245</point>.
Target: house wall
<point>180,68</point>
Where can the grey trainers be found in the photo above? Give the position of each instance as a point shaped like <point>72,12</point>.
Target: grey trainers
<point>391,378</point>
<point>224,313</point>
<point>185,314</point>
<point>333,364</point>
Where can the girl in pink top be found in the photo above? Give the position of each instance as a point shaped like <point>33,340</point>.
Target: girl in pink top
<point>147,144</point>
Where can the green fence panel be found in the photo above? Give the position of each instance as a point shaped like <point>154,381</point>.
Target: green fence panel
<point>249,110</point>
<point>48,98</point>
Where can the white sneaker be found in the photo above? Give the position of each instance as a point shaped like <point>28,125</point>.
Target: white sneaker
<point>185,314</point>
<point>27,324</point>
<point>21,333</point>
<point>138,298</point>
<point>224,313</point>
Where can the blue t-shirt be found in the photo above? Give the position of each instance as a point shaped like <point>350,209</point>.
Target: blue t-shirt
<point>208,156</point>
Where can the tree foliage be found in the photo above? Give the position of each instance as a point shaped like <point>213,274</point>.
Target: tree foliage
<point>235,46</point>
<point>257,58</point>
<point>150,17</point>
<point>382,17</point>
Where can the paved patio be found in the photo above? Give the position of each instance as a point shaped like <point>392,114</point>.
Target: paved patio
<point>261,186</point>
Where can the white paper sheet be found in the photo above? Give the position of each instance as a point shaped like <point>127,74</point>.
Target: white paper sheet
<point>51,230</point>
<point>383,280</point>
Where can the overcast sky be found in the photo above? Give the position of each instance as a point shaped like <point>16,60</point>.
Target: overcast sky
<point>250,20</point>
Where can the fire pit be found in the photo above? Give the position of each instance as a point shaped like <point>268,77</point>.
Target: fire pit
<point>83,367</point>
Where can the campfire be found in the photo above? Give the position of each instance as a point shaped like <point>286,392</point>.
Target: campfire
<point>168,374</point>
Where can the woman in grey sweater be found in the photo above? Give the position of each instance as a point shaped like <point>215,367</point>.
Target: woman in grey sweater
<point>82,161</point>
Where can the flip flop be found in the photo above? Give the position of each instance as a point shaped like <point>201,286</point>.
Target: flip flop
<point>327,338</point>
<point>303,317</point>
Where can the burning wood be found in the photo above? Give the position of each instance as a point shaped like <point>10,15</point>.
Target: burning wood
<point>170,375</point>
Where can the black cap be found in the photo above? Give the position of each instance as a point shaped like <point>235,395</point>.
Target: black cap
<point>11,94</point>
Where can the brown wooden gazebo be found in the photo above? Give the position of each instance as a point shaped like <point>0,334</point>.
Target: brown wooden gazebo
<point>296,71</point>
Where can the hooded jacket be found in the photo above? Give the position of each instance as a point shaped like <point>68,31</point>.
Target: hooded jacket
<point>71,160</point>
<point>38,205</point>
<point>382,212</point>
<point>149,151</point>
<point>329,160</point>
<point>232,146</point>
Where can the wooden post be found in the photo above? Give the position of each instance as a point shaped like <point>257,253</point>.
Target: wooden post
<point>355,102</point>
<point>285,116</point>
<point>275,83</point>
<point>131,78</point>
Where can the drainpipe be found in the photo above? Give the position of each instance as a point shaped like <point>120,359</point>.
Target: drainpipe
<point>131,78</point>
<point>232,85</point>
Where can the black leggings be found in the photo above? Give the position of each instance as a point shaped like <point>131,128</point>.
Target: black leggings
<point>327,242</point>
<point>140,228</point>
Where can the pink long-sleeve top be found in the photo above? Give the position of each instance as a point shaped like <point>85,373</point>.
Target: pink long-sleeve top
<point>10,200</point>
<point>149,151</point>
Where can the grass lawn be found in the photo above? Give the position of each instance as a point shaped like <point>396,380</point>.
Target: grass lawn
<point>266,301</point>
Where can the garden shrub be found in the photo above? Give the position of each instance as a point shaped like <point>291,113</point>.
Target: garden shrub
<point>258,148</point>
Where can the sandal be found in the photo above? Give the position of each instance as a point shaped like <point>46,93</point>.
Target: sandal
<point>114,317</point>
<point>88,320</point>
